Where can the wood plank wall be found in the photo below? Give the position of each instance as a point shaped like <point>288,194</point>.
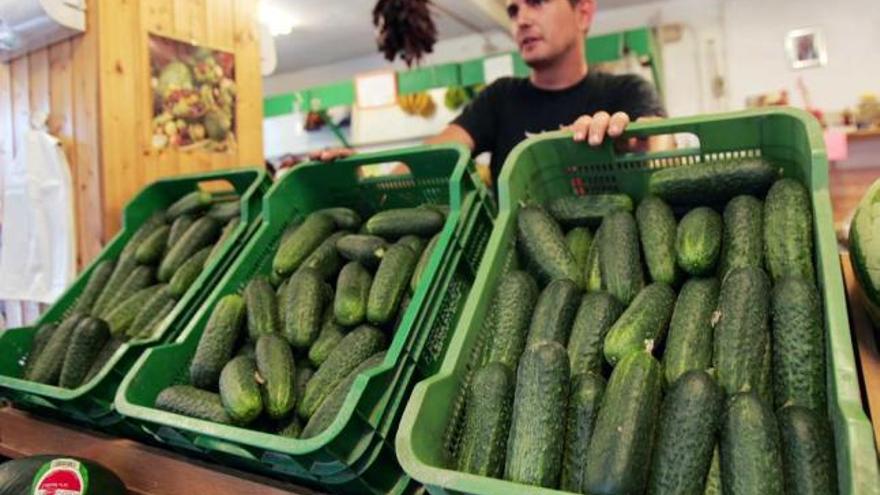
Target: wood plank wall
<point>129,161</point>
<point>60,80</point>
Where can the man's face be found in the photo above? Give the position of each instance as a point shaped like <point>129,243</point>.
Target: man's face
<point>545,29</point>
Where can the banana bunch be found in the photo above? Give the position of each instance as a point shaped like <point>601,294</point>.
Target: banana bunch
<point>456,97</point>
<point>417,104</point>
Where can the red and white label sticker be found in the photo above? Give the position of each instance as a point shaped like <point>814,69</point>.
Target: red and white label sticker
<point>61,477</point>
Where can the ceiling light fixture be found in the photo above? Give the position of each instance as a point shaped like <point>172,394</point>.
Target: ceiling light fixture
<point>279,21</point>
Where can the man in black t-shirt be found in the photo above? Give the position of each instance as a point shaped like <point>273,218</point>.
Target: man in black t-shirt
<point>559,92</point>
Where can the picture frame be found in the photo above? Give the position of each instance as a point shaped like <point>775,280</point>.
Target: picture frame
<point>806,48</point>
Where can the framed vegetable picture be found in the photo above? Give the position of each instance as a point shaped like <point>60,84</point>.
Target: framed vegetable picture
<point>193,93</point>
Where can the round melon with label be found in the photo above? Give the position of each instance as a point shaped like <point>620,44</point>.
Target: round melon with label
<point>57,475</point>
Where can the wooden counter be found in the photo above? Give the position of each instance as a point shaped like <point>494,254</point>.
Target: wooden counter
<point>145,470</point>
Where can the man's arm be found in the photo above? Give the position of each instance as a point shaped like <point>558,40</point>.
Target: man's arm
<point>453,133</point>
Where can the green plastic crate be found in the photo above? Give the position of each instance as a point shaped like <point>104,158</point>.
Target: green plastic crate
<point>356,453</point>
<point>551,165</point>
<point>92,403</point>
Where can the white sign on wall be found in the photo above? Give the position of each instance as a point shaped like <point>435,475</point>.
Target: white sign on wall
<point>376,89</point>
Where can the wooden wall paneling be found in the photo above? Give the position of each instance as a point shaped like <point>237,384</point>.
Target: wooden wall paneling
<point>158,16</point>
<point>220,24</point>
<point>61,119</point>
<point>89,176</point>
<point>190,20</point>
<point>121,86</point>
<point>20,102</point>
<point>249,82</point>
<point>38,86</point>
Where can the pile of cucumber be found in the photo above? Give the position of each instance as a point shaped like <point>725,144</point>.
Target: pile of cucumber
<point>676,349</point>
<point>126,299</point>
<point>281,356</point>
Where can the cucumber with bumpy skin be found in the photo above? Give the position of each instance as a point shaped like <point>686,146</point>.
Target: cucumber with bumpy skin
<point>203,232</point>
<point>788,231</point>
<point>42,336</point>
<point>584,399</point>
<point>193,402</point>
<point>296,247</point>
<point>217,342</point>
<point>593,270</point>
<point>554,312</point>
<point>619,257</point>
<point>239,391</point>
<point>487,422</point>
<point>619,455</point>
<point>188,272</point>
<point>807,452</point>
<point>194,202</point>
<point>86,343</point>
<point>422,264</point>
<point>698,241</point>
<point>514,301</point>
<point>579,241</point>
<point>345,218</point>
<point>751,461</point>
<point>537,436</point>
<point>588,210</point>
<point>713,182</point>
<point>690,340</point>
<point>262,308</point>
<point>543,243</point>
<point>274,361</point>
<point>390,283</point>
<point>225,211</point>
<point>303,305</point>
<point>595,316</point>
<point>657,229</point>
<point>138,279</point>
<point>47,366</point>
<point>689,422</point>
<point>352,294</point>
<point>149,312</point>
<point>331,334</point>
<point>124,315</point>
<point>643,324</point>
<point>97,281</point>
<point>365,249</point>
<point>325,258</point>
<point>743,242</point>
<point>396,223</point>
<point>225,235</point>
<point>151,250</point>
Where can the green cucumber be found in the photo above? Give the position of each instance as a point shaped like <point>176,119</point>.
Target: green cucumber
<point>302,375</point>
<point>865,251</point>
<point>274,360</point>
<point>422,264</point>
<point>178,228</point>
<point>713,182</point>
<point>151,250</point>
<point>262,308</point>
<point>579,240</point>
<point>595,316</point>
<point>788,231</point>
<point>239,391</point>
<point>690,340</point>
<point>97,281</point>
<point>390,283</point>
<point>225,211</point>
<point>148,313</point>
<point>689,422</point>
<point>217,342</point>
<point>123,315</point>
<point>188,272</point>
<point>798,345</point>
<point>620,261</point>
<point>698,241</point>
<point>42,336</point>
<point>302,305</point>
<point>325,258</point>
<point>193,402</point>
<point>514,301</point>
<point>292,429</point>
<point>743,242</point>
<point>352,294</point>
<point>657,230</point>
<point>365,249</point>
<point>619,455</point>
<point>47,366</point>
<point>741,332</point>
<point>329,408</point>
<point>807,451</point>
<point>194,202</point>
<point>588,210</point>
<point>86,343</point>
<point>331,334</point>
<point>225,235</point>
<point>713,479</point>
<point>554,312</point>
<point>345,218</point>
<point>593,269</point>
<point>642,325</point>
<point>584,399</point>
<point>296,247</point>
<point>352,350</point>
<point>543,243</point>
<point>396,223</point>
<point>104,357</point>
<point>203,232</point>
<point>487,422</point>
<point>414,242</point>
<point>751,460</point>
<point>537,435</point>
<point>139,278</point>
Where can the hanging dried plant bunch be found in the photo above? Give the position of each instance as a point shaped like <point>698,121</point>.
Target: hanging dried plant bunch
<point>404,28</point>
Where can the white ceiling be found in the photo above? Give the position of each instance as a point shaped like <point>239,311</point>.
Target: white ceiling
<point>330,31</point>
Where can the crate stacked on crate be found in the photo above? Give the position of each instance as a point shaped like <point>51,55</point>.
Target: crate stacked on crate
<point>177,239</point>
<point>669,344</point>
<point>301,360</point>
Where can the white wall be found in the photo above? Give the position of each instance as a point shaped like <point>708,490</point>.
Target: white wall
<point>453,50</point>
<point>755,33</point>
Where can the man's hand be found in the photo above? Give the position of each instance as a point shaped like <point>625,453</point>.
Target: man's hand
<point>593,128</point>
<point>330,154</point>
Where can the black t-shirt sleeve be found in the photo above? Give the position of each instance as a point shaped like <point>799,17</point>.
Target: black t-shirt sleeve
<point>637,98</point>
<point>480,118</point>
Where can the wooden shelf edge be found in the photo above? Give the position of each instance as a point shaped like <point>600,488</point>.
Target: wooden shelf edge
<point>144,469</point>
